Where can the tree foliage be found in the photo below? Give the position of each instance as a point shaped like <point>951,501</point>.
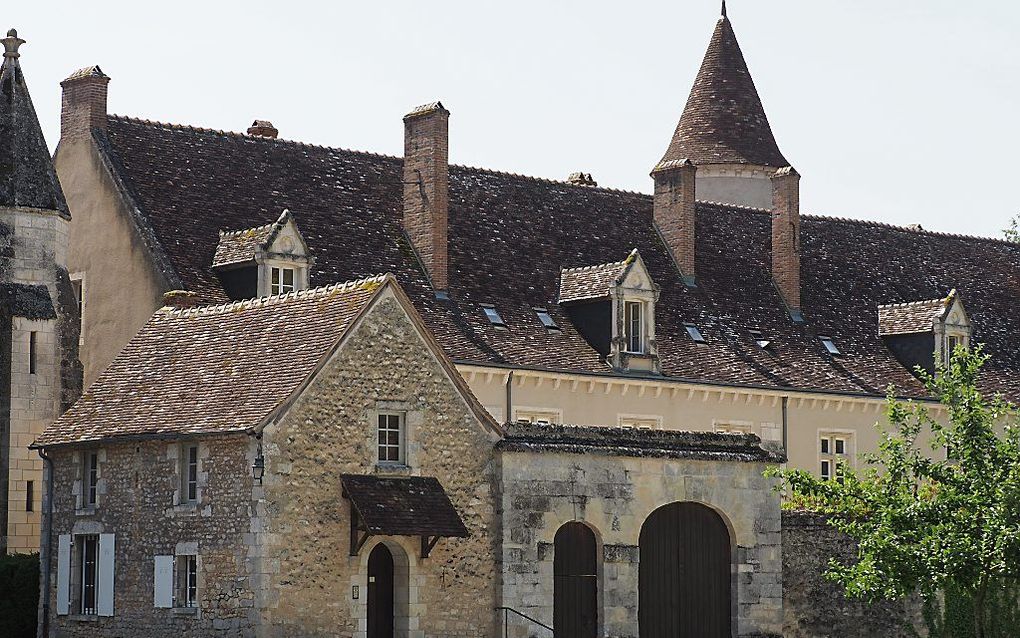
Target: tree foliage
<point>927,521</point>
<point>19,595</point>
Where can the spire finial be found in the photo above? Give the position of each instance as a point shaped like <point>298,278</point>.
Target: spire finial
<point>11,44</point>
<point>724,8</point>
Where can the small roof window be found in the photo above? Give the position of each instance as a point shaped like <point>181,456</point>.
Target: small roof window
<point>546,319</point>
<point>760,339</point>
<point>830,345</point>
<point>492,315</point>
<point>695,334</point>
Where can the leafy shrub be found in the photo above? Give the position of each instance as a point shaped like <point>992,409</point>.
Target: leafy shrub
<point>19,595</point>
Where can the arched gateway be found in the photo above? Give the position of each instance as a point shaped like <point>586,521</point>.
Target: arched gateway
<point>685,573</point>
<point>575,582</point>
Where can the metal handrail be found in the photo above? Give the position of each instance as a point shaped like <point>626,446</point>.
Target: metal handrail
<point>506,620</point>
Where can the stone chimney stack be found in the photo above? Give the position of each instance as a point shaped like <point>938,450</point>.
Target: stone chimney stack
<point>426,188</point>
<point>673,212</point>
<point>180,299</point>
<point>263,128</point>
<point>786,236</point>
<point>83,105</point>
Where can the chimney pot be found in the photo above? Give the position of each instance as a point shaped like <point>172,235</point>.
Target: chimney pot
<point>263,128</point>
<point>180,299</point>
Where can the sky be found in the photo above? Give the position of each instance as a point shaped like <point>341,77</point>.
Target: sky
<point>902,112</point>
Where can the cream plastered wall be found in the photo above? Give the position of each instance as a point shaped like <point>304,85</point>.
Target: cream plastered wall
<point>121,286</point>
<point>735,184</point>
<point>591,400</point>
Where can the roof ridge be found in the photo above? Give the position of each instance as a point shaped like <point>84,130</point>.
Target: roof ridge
<point>907,304</point>
<point>908,229</point>
<point>235,233</point>
<point>256,302</point>
<point>245,136</point>
<point>622,262</point>
<point>549,180</point>
<point>737,207</point>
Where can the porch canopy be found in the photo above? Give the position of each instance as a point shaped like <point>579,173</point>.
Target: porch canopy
<point>400,506</point>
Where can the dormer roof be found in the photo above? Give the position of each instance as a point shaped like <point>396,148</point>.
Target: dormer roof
<point>915,316</point>
<point>241,246</point>
<point>27,176</point>
<point>596,282</point>
<point>724,121</point>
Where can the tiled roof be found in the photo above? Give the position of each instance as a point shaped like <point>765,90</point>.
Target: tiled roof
<point>724,121</point>
<point>591,282</point>
<point>912,317</point>
<point>403,506</point>
<point>240,245</point>
<point>583,439</point>
<point>511,236</point>
<point>216,369</point>
<point>27,176</point>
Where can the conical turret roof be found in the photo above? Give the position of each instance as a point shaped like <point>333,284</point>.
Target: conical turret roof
<point>27,176</point>
<point>724,121</point>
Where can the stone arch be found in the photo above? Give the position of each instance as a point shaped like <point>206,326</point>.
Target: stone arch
<point>405,586</point>
<point>577,580</point>
<point>685,573</point>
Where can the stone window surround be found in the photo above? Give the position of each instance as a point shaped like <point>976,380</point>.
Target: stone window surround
<point>188,548</point>
<point>647,421</point>
<point>81,528</point>
<point>412,419</point>
<point>78,282</point>
<point>78,487</point>
<point>532,414</point>
<point>174,454</point>
<point>849,455</point>
<point>620,354</point>
<point>298,263</point>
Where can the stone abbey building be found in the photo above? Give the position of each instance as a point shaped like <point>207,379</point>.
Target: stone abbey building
<point>330,392</point>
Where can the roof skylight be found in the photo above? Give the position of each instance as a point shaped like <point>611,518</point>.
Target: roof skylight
<point>546,319</point>
<point>492,315</point>
<point>760,339</point>
<point>695,334</point>
<point>830,345</point>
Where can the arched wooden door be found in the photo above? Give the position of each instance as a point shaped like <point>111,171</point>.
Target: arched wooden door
<point>380,593</point>
<point>684,574</point>
<point>575,582</point>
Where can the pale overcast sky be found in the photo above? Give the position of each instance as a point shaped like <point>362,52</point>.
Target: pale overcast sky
<point>904,112</point>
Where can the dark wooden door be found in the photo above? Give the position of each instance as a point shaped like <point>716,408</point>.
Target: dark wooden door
<point>380,593</point>
<point>684,575</point>
<point>575,582</point>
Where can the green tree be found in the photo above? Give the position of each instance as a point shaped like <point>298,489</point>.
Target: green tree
<point>19,595</point>
<point>1012,233</point>
<point>927,521</point>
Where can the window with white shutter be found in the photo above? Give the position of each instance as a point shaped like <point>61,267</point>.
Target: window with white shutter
<point>63,574</point>
<point>104,605</point>
<point>163,582</point>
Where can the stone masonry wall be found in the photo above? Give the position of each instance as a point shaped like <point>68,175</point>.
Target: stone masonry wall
<point>815,607</point>
<point>330,430</point>
<point>614,495</point>
<point>138,488</point>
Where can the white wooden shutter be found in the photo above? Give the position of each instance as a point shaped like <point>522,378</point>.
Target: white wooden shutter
<point>163,582</point>
<point>63,574</point>
<point>105,584</point>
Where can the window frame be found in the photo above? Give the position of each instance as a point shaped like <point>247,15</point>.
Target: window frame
<point>493,315</point>
<point>695,333</point>
<point>830,345</point>
<point>90,478</point>
<point>185,592</point>
<point>538,415</point>
<point>835,448</point>
<point>401,433</point>
<point>277,280</point>
<point>634,317</point>
<point>85,570</point>
<point>33,352</point>
<point>546,320</point>
<point>190,468</point>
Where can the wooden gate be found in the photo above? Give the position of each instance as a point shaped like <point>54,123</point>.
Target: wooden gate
<point>380,593</point>
<point>575,582</point>
<point>684,574</point>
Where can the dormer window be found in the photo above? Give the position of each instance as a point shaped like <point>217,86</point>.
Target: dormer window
<point>268,260</point>
<point>634,323</point>
<point>921,333</point>
<point>282,281</point>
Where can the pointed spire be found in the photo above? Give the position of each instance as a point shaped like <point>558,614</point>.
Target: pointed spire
<point>724,121</point>
<point>27,176</point>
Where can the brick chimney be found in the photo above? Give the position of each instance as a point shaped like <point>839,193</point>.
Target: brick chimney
<point>786,236</point>
<point>83,104</point>
<point>263,128</point>
<point>673,211</point>
<point>426,188</point>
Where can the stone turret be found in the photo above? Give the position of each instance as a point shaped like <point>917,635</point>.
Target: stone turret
<point>39,370</point>
<point>724,131</point>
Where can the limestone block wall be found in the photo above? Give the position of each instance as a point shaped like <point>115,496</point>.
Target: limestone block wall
<point>614,496</point>
<point>138,487</point>
<point>331,430</point>
<point>815,607</point>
